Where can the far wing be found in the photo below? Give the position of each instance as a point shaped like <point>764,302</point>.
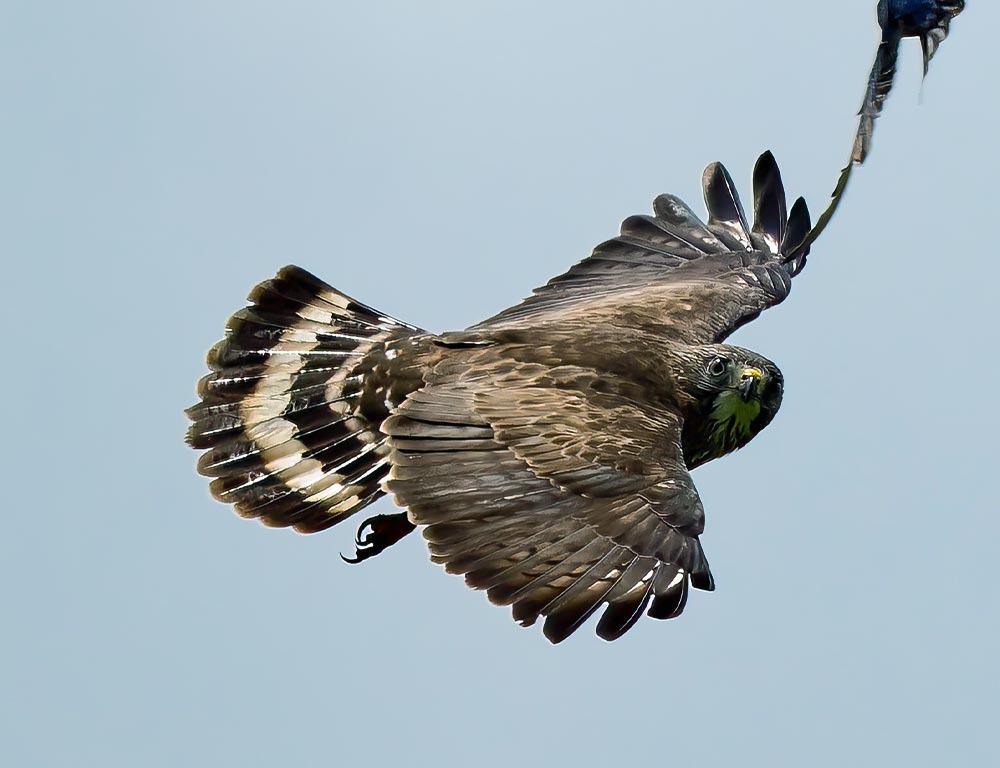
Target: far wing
<point>694,281</point>
<point>521,488</point>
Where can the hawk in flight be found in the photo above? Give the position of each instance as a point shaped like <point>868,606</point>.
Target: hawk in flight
<point>545,453</point>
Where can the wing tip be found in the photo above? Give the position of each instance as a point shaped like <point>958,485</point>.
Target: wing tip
<point>725,209</point>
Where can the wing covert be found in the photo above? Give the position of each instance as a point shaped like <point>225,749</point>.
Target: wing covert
<point>696,281</point>
<point>547,514</point>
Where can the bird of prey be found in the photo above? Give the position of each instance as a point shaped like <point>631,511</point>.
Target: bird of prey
<point>546,453</point>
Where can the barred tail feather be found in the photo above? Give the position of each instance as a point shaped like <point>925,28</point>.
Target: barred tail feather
<point>285,418</point>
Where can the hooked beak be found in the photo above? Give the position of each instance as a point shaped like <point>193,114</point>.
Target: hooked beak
<point>750,379</point>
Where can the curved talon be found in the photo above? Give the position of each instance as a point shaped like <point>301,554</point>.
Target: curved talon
<point>363,541</point>
<point>376,534</point>
<point>360,555</point>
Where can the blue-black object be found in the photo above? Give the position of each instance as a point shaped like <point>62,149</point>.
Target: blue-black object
<point>927,19</point>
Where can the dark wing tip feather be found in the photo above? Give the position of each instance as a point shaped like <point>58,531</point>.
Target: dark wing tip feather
<point>798,226</point>
<point>703,580</point>
<point>770,212</point>
<point>723,203</point>
<point>670,603</point>
<point>620,616</point>
<point>558,627</point>
<point>795,245</point>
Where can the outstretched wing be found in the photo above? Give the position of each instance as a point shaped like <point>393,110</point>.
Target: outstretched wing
<point>694,281</point>
<point>553,497</point>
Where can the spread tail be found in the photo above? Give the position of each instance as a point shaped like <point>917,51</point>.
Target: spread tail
<point>289,416</point>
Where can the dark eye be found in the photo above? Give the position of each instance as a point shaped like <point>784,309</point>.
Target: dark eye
<point>718,366</point>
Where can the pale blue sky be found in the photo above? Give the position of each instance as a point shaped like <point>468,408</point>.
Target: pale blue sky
<point>438,160</point>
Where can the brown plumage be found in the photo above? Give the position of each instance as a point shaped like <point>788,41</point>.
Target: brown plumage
<point>545,452</point>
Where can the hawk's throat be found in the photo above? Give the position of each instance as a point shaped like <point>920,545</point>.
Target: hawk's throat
<point>731,421</point>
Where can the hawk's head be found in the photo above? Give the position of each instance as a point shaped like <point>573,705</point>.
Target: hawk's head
<point>734,394</point>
